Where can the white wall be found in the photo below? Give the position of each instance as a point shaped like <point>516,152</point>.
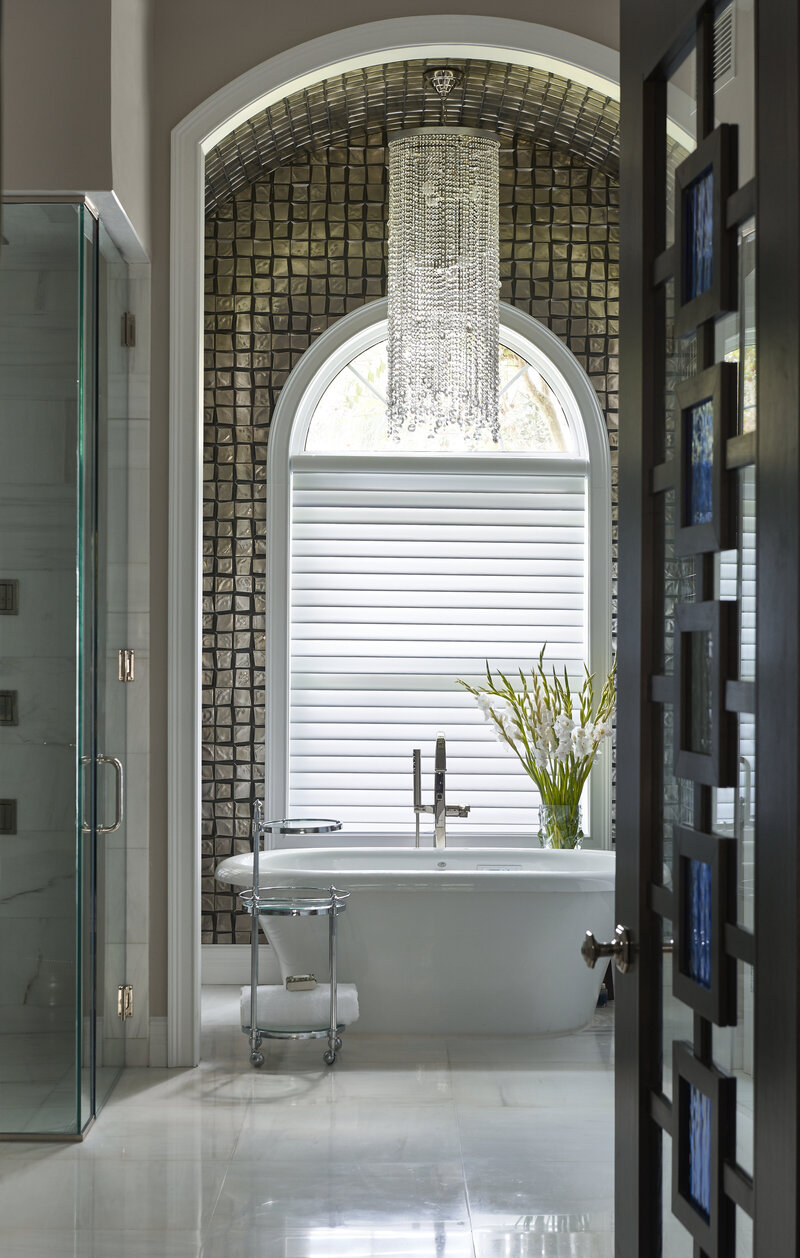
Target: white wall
<point>76,95</point>
<point>131,66</point>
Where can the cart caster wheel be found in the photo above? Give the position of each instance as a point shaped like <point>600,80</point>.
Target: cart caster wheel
<point>329,1058</point>
<point>337,1043</point>
<point>257,1060</point>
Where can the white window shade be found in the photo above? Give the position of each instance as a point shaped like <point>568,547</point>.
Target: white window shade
<point>400,582</point>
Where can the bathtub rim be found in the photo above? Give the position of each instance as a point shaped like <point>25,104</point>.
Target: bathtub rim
<point>599,876</point>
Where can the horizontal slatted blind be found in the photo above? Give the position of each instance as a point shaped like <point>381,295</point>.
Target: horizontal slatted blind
<point>400,583</point>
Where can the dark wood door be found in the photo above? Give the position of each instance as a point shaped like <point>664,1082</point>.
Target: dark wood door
<point>709,590</point>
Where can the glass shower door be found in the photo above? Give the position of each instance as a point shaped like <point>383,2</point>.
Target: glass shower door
<point>63,607</point>
<point>42,640</point>
<point>111,701</point>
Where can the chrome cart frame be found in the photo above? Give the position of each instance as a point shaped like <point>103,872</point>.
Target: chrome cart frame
<point>291,902</point>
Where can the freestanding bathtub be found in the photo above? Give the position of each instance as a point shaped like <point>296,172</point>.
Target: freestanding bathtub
<point>450,939</point>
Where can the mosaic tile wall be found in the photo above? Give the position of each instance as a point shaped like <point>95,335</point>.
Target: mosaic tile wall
<point>285,258</point>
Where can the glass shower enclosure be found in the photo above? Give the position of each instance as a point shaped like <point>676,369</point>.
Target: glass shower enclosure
<point>63,592</point>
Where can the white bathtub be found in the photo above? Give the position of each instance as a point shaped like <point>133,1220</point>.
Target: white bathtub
<point>451,940</point>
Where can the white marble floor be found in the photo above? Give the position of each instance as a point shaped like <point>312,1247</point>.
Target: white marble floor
<point>457,1147</point>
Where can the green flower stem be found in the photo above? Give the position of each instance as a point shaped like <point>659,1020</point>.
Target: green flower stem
<point>560,782</point>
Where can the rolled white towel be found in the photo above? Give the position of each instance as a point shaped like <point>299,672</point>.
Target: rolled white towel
<point>279,1010</point>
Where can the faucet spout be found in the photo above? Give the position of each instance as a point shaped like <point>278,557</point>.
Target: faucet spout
<point>439,805</point>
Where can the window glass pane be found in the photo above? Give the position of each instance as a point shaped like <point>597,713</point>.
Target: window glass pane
<point>733,1053</point>
<point>402,581</point>
<point>681,128</point>
<point>677,1019</point>
<point>677,1243</point>
<point>350,417</point>
<point>735,77</point>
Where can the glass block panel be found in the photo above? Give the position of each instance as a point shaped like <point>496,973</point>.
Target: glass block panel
<point>698,209</point>
<point>696,961</point>
<point>699,692</point>
<point>700,1149</point>
<point>700,447</point>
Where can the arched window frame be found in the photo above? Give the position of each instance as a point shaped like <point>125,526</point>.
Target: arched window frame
<point>307,382</point>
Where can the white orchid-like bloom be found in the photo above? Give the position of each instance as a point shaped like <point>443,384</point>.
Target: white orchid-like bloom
<point>582,741</point>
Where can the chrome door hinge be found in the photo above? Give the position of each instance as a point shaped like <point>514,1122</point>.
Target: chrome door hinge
<point>128,337</point>
<point>126,663</point>
<point>125,1001</point>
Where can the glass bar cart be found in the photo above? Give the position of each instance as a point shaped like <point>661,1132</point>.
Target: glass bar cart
<point>291,902</point>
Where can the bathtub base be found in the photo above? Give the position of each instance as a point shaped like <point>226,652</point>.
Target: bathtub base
<point>459,950</point>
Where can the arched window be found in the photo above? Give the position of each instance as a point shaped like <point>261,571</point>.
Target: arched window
<point>395,568</point>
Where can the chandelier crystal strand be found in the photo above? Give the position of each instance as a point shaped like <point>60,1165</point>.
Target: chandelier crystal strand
<point>443,281</point>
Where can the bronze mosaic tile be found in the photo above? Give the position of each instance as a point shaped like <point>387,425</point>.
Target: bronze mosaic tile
<point>304,244</point>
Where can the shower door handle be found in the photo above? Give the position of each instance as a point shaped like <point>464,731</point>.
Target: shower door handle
<point>120,808</point>
<point>120,796</point>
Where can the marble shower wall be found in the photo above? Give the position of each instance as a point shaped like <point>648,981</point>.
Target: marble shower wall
<point>289,255</point>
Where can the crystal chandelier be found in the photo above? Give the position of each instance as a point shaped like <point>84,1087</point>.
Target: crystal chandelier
<point>443,282</point>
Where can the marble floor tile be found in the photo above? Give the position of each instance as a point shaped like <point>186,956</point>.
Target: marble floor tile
<point>363,1130</point>
<point>550,1242</point>
<point>107,1194</point>
<point>532,1135</point>
<point>411,1240</point>
<point>340,1193</point>
<point>102,1244</point>
<point>409,1147</point>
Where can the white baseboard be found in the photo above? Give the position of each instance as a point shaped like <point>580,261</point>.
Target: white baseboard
<point>158,1042</point>
<point>230,964</point>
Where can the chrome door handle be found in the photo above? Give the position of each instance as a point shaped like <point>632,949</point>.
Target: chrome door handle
<point>620,949</point>
<point>120,794</point>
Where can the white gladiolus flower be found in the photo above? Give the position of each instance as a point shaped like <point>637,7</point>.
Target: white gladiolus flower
<point>536,722</point>
<point>582,741</point>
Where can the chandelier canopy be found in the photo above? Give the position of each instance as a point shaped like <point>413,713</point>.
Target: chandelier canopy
<point>444,279</point>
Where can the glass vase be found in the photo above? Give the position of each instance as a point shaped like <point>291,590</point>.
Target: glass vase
<point>560,825</point>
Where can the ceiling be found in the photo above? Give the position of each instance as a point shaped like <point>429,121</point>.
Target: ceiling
<point>510,99</point>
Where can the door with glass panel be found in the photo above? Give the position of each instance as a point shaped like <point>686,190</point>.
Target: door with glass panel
<point>707,881</point>
<point>63,591</point>
<point>112,671</point>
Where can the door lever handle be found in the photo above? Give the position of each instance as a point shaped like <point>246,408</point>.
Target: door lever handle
<point>620,949</point>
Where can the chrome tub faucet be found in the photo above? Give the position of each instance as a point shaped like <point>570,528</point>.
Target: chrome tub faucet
<point>440,809</point>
